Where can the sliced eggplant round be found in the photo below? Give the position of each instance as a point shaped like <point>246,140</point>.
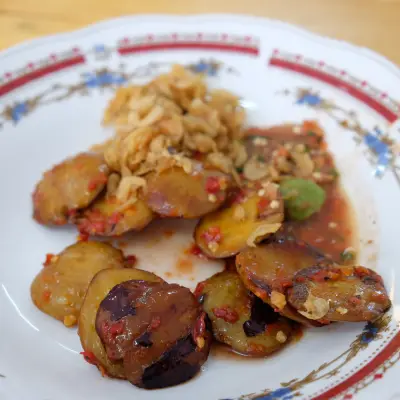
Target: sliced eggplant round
<point>289,151</point>
<point>240,319</point>
<point>156,330</point>
<point>334,293</point>
<point>99,288</point>
<point>69,186</point>
<point>268,270</point>
<point>252,214</point>
<point>176,193</point>
<point>106,216</point>
<point>60,287</point>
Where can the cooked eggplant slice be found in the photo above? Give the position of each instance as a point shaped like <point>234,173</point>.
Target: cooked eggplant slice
<point>309,134</point>
<point>288,151</point>
<point>253,213</point>
<point>108,217</point>
<point>60,287</point>
<point>157,330</point>
<point>99,288</point>
<point>268,270</point>
<point>240,319</point>
<point>176,193</point>
<point>339,294</point>
<point>67,187</point>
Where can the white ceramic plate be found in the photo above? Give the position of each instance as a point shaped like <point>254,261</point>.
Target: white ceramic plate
<point>52,95</point>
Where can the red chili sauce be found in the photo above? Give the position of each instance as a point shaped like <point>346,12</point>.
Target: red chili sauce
<point>332,229</point>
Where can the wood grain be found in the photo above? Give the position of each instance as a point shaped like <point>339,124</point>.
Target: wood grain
<point>370,23</point>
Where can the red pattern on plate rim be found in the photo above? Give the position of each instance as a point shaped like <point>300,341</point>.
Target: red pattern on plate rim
<point>249,45</point>
<point>39,69</point>
<point>190,41</point>
<point>361,90</point>
<point>246,45</point>
<point>370,368</point>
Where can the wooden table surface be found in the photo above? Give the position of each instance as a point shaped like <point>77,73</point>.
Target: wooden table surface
<point>370,23</point>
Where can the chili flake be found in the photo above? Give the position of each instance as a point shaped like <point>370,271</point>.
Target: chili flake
<point>196,251</point>
<point>155,323</point>
<point>83,237</point>
<point>199,330</point>
<point>238,196</point>
<point>50,258</point>
<point>378,297</point>
<point>94,222</point>
<point>89,357</point>
<point>131,260</point>
<point>72,213</point>
<point>46,295</point>
<point>101,179</point>
<point>362,271</point>
<point>117,328</point>
<point>212,234</point>
<point>199,289</point>
<point>262,205</point>
<point>227,314</point>
<point>354,300</point>
<point>213,185</point>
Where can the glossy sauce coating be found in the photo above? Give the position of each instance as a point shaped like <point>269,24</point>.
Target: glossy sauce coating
<point>333,293</point>
<point>106,216</point>
<point>240,319</point>
<point>175,193</point>
<point>289,133</point>
<point>67,187</point>
<point>268,270</point>
<point>99,288</point>
<point>156,329</point>
<point>60,287</point>
<point>256,207</point>
<point>331,230</point>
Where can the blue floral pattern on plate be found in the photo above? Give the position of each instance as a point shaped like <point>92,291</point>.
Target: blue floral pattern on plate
<point>103,79</point>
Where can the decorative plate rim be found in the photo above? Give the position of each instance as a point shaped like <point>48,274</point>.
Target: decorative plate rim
<point>394,346</point>
<point>108,23</point>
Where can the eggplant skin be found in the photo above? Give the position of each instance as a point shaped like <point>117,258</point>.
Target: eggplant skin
<point>339,293</point>
<point>271,266</point>
<point>177,365</point>
<point>98,290</point>
<point>158,331</point>
<point>69,186</point>
<point>174,193</point>
<point>239,319</point>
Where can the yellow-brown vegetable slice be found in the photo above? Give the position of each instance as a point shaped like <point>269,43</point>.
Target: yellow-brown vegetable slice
<point>69,186</point>
<point>252,215</point>
<point>98,289</point>
<point>268,270</point>
<point>240,319</point>
<point>107,217</point>
<point>175,193</point>
<point>339,294</point>
<point>60,287</point>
